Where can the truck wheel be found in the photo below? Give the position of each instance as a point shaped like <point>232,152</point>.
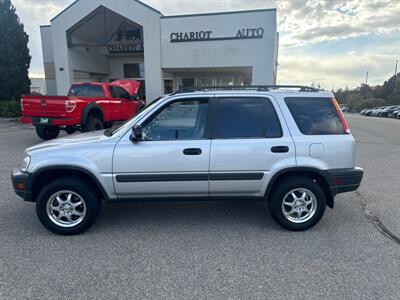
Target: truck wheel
<point>47,132</point>
<point>92,124</point>
<point>70,130</point>
<point>67,206</point>
<point>297,204</point>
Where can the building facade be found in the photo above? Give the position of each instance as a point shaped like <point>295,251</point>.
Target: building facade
<point>105,40</point>
<point>38,85</point>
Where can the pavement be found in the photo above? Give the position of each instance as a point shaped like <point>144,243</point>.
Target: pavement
<point>211,250</point>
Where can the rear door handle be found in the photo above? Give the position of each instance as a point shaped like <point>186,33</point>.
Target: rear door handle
<point>280,149</point>
<point>192,151</point>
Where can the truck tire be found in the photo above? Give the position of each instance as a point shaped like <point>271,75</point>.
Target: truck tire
<point>67,206</point>
<point>70,130</point>
<point>92,124</point>
<point>297,204</point>
<point>47,132</point>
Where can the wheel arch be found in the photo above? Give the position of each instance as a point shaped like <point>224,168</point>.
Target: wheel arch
<point>46,175</point>
<point>92,109</point>
<point>321,177</point>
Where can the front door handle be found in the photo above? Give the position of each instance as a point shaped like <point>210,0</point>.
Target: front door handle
<point>192,151</point>
<point>280,149</point>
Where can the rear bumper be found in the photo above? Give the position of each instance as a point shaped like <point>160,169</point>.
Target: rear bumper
<point>344,180</point>
<point>55,121</point>
<point>20,181</point>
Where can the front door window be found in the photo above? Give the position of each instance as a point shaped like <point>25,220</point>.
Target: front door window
<point>180,120</point>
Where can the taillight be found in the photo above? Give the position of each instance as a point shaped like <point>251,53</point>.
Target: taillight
<point>70,105</point>
<point>341,116</point>
<point>22,105</point>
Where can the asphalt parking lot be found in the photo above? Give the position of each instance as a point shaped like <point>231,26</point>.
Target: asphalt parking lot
<point>214,249</point>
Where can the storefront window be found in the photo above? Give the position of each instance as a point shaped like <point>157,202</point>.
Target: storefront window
<point>187,83</point>
<point>142,90</point>
<point>226,80</point>
<point>214,80</point>
<point>168,86</point>
<point>205,81</point>
<point>134,70</point>
<point>131,71</point>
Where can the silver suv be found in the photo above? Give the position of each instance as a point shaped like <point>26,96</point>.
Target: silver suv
<point>287,146</point>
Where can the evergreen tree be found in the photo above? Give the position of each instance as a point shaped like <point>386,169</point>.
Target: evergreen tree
<point>14,54</point>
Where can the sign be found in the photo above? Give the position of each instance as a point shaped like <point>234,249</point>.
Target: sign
<point>126,41</point>
<point>197,36</point>
<point>125,48</point>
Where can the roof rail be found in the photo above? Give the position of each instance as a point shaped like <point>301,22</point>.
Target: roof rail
<point>263,88</point>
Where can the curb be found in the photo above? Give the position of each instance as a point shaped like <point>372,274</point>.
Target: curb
<point>8,120</point>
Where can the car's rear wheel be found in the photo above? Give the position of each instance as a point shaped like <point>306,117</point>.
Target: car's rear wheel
<point>93,124</point>
<point>67,206</point>
<point>47,132</point>
<point>297,203</point>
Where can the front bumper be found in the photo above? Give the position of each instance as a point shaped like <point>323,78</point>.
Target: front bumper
<point>344,180</point>
<point>21,186</point>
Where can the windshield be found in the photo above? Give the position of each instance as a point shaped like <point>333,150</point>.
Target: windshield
<point>113,130</point>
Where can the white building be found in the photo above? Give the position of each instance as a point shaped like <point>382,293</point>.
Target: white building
<point>105,40</point>
<point>38,85</point>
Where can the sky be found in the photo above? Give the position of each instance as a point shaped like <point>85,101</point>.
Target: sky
<point>333,43</point>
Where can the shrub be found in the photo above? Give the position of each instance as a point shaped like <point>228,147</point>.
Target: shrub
<point>10,109</point>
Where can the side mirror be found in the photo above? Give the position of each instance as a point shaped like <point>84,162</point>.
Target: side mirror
<point>133,97</point>
<point>137,133</point>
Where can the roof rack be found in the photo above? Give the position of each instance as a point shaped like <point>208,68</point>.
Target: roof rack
<point>263,88</point>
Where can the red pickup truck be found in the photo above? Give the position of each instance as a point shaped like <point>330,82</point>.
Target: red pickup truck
<point>88,106</point>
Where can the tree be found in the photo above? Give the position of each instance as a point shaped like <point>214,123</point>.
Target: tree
<point>14,54</point>
<point>395,98</point>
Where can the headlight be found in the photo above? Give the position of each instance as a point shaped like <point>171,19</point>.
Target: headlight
<point>25,163</point>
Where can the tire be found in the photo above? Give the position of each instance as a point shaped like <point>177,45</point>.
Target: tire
<point>74,220</point>
<point>70,130</point>
<point>302,220</point>
<point>47,132</point>
<point>93,124</point>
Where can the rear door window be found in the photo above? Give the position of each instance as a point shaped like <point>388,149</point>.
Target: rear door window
<point>315,116</point>
<point>95,91</point>
<point>247,117</point>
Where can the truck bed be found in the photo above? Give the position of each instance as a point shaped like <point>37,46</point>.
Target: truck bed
<point>43,106</point>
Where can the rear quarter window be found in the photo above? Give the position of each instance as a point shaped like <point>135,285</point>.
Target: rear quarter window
<point>315,116</point>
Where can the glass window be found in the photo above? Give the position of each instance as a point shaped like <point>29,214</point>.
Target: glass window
<point>132,71</point>
<point>86,90</point>
<point>94,91</point>
<point>168,86</point>
<point>181,120</point>
<point>186,82</point>
<point>142,90</point>
<point>76,90</point>
<point>118,92</point>
<point>315,116</point>
<point>247,118</point>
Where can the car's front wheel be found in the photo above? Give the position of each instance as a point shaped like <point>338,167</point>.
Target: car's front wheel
<point>298,203</point>
<point>67,206</point>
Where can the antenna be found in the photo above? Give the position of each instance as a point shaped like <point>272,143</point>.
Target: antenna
<point>395,70</point>
<point>366,79</point>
